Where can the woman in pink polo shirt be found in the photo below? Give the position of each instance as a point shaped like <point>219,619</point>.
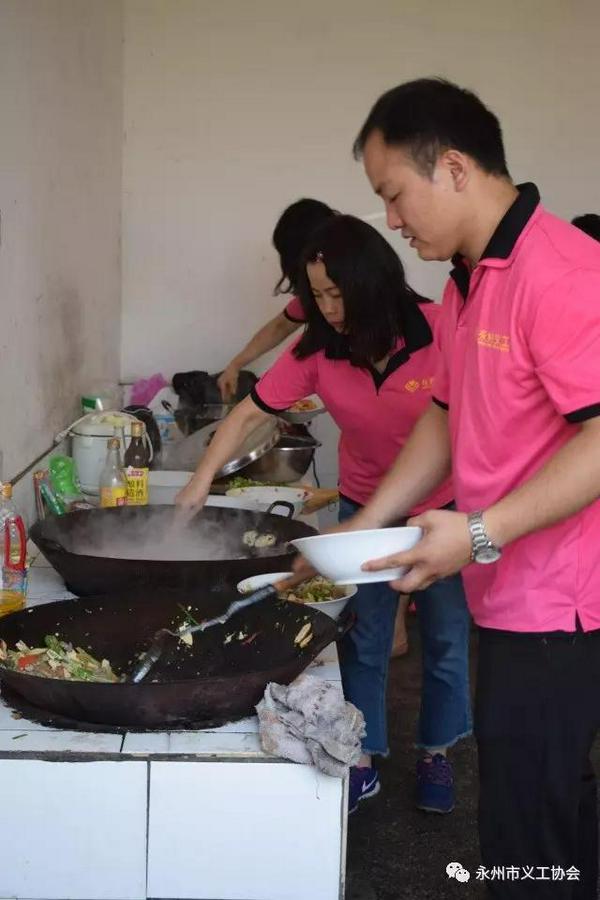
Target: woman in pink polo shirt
<point>368,351</point>
<point>290,234</point>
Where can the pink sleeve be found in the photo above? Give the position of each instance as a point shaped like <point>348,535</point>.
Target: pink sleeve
<point>288,380</point>
<point>564,339</point>
<point>443,330</point>
<point>294,312</point>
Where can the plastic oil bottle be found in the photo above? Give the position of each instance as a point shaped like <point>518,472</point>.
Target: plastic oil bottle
<point>13,546</point>
<point>137,461</point>
<point>113,484</point>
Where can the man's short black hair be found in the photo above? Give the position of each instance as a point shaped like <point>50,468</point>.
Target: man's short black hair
<point>590,223</point>
<point>431,115</point>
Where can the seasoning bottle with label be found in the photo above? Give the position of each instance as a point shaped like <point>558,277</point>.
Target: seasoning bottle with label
<point>113,484</point>
<point>137,461</point>
<point>13,542</point>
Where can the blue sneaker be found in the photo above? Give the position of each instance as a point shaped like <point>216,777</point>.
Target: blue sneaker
<point>364,783</point>
<point>435,784</point>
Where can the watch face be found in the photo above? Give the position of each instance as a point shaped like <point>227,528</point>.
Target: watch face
<point>487,555</point>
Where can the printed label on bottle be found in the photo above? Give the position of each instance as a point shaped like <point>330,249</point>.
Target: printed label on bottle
<point>113,496</point>
<point>13,580</point>
<point>137,486</point>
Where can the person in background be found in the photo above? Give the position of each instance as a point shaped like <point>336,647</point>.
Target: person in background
<point>516,416</point>
<point>291,233</point>
<point>289,237</point>
<point>368,352</point>
<point>589,223</point>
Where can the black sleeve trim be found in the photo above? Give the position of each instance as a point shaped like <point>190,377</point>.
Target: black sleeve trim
<point>293,319</point>
<point>583,414</point>
<point>254,396</point>
<point>440,404</point>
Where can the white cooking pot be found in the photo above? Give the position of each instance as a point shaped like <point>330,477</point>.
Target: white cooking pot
<point>89,437</point>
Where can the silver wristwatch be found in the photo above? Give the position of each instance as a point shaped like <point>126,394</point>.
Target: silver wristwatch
<point>482,549</point>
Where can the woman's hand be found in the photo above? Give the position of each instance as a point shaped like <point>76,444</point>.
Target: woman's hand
<point>192,497</point>
<point>227,382</point>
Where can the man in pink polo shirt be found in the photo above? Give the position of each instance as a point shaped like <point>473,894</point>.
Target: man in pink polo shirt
<point>516,418</point>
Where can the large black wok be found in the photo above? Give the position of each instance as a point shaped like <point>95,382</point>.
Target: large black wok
<point>215,679</point>
<point>78,544</point>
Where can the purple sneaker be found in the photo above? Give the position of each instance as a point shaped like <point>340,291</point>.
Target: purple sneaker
<point>364,783</point>
<point>435,784</point>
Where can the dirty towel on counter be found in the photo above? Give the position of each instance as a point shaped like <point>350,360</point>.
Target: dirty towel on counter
<point>309,722</point>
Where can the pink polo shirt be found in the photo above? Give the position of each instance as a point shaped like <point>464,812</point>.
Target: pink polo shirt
<point>375,412</point>
<point>519,369</point>
<point>294,311</point>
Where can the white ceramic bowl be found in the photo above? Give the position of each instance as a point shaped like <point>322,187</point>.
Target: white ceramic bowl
<point>339,556</point>
<point>331,608</point>
<point>163,487</point>
<point>261,498</point>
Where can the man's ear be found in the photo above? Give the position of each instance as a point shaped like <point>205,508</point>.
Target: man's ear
<point>459,166</point>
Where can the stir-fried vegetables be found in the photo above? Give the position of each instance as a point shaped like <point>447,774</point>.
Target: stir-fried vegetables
<point>57,659</point>
<point>316,590</point>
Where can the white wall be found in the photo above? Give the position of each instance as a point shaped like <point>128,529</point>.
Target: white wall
<point>233,109</point>
<point>60,200</point>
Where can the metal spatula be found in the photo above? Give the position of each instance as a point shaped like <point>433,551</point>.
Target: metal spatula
<point>165,638</point>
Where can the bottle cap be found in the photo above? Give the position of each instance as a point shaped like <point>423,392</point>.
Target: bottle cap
<point>113,443</point>
<point>137,429</point>
<point>6,490</point>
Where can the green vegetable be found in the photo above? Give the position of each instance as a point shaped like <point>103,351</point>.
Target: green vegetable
<point>239,482</point>
<point>53,643</point>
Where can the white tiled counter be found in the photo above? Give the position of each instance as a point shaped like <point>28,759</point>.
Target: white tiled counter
<point>195,814</point>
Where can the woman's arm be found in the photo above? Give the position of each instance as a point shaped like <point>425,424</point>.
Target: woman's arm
<point>227,438</point>
<point>269,336</point>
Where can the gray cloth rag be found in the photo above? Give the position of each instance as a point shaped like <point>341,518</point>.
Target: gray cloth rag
<point>309,722</point>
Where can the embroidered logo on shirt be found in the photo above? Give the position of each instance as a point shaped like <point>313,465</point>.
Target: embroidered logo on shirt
<point>424,384</point>
<point>494,341</point>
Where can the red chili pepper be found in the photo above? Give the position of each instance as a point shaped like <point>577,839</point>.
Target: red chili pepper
<point>25,661</point>
<point>251,638</point>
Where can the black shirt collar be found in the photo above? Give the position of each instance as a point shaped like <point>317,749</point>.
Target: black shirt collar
<point>504,238</point>
<point>417,334</point>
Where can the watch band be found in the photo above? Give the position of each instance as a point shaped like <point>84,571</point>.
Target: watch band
<point>483,550</point>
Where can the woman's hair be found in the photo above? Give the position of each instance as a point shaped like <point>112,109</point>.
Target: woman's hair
<point>369,275</point>
<point>290,235</point>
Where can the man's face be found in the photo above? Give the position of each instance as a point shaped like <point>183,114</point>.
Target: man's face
<point>427,209</point>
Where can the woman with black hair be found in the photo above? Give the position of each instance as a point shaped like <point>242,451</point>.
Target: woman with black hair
<point>289,237</point>
<point>368,351</point>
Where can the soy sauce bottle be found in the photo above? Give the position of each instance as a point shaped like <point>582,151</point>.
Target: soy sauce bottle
<point>137,461</point>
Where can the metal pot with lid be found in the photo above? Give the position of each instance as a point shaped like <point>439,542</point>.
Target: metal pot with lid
<point>268,454</point>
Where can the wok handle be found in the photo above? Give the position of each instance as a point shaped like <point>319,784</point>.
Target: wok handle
<point>289,507</point>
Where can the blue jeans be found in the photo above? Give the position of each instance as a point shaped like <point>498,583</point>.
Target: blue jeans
<point>444,623</point>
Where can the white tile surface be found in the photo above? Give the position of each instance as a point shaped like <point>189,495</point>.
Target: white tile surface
<point>244,831</point>
<point>197,743</point>
<point>45,584</point>
<point>327,672</point>
<point>76,831</point>
<point>8,722</point>
<point>48,740</point>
